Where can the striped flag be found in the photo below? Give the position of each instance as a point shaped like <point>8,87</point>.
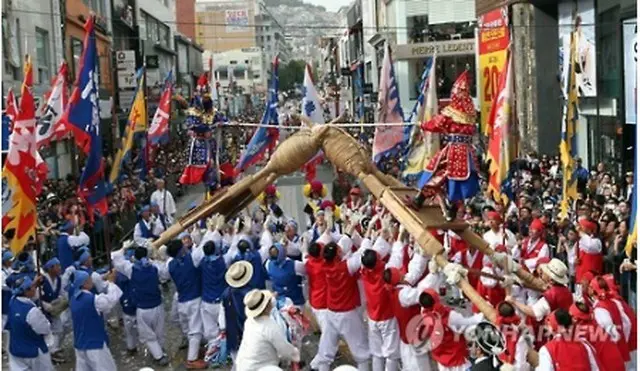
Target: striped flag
<point>568,139</point>
<point>422,145</point>
<point>502,141</point>
<point>48,125</point>
<point>388,140</point>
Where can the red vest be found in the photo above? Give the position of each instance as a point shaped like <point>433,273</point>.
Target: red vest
<point>612,308</point>
<point>405,259</point>
<point>588,263</point>
<point>403,315</point>
<point>455,245</point>
<point>606,350</point>
<point>317,279</point>
<point>452,350</point>
<point>568,355</point>
<point>475,264</point>
<point>342,287</point>
<point>633,337</point>
<point>511,335</point>
<point>379,306</point>
<point>533,253</point>
<point>494,295</point>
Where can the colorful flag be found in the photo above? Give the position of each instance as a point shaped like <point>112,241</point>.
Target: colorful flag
<point>312,109</point>
<point>12,108</point>
<point>422,146</point>
<point>212,81</point>
<point>19,179</point>
<point>567,143</point>
<point>48,127</point>
<point>265,137</point>
<point>136,128</point>
<point>502,141</point>
<point>633,227</point>
<point>387,140</point>
<point>82,118</point>
<point>159,128</point>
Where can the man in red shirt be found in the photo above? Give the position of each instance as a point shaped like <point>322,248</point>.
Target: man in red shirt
<point>384,340</point>
<point>342,317</point>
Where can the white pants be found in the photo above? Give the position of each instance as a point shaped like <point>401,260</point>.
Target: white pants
<point>631,365</point>
<point>190,318</point>
<point>95,360</point>
<point>412,361</point>
<point>384,344</point>
<point>463,367</point>
<point>58,331</point>
<point>42,362</point>
<point>210,320</point>
<point>320,315</point>
<point>151,329</point>
<point>130,331</point>
<point>350,326</point>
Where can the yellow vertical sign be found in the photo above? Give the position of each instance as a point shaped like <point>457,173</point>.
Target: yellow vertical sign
<point>492,53</point>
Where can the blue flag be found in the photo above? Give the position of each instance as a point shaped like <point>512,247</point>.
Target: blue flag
<point>82,117</point>
<point>265,137</point>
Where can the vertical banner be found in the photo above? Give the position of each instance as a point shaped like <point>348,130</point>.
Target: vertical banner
<point>630,50</point>
<point>578,15</point>
<point>492,53</point>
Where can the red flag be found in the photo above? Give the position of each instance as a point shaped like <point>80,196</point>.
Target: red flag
<point>12,108</point>
<point>19,177</point>
<point>159,128</point>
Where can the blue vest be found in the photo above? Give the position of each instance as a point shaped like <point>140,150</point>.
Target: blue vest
<point>146,233</point>
<point>145,285</point>
<point>259,277</point>
<point>233,302</point>
<point>15,276</point>
<point>51,293</point>
<point>88,325</point>
<point>23,341</point>
<point>186,278</point>
<point>213,282</point>
<point>285,280</point>
<point>163,220</point>
<point>65,252</point>
<point>126,300</point>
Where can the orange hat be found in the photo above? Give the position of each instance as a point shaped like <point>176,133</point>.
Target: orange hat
<point>611,282</point>
<point>492,215</point>
<point>316,186</point>
<point>600,292</point>
<point>536,225</point>
<point>577,314</point>
<point>587,276</point>
<point>588,226</point>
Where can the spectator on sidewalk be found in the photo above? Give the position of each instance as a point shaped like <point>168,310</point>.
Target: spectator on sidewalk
<point>164,199</point>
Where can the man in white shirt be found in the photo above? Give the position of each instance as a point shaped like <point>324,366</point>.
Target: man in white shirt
<point>263,341</point>
<point>164,199</point>
<point>498,235</point>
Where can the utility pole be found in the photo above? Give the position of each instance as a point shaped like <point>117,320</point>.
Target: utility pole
<point>336,85</point>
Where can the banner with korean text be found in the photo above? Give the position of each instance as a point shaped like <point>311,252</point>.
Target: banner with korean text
<point>493,41</point>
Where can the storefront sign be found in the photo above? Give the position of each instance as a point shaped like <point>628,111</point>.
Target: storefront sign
<point>126,68</point>
<point>237,20</point>
<point>441,48</point>
<point>568,12</point>
<point>493,41</point>
<point>630,40</point>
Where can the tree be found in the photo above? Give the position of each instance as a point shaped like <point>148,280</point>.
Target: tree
<point>291,74</point>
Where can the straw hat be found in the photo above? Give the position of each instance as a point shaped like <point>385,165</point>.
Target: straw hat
<point>556,270</point>
<point>239,274</point>
<point>256,301</point>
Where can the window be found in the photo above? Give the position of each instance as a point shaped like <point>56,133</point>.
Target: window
<point>246,61</point>
<point>76,51</point>
<point>157,32</point>
<point>152,29</point>
<point>268,38</point>
<point>163,35</point>
<point>233,62</point>
<point>223,75</point>
<point>238,74</point>
<point>42,55</point>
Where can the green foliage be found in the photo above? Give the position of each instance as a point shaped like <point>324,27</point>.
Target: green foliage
<point>291,74</point>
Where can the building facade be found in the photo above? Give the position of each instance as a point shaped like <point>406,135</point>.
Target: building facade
<point>157,30</point>
<point>223,25</point>
<point>239,71</point>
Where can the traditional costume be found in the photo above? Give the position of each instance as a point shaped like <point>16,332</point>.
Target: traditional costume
<point>315,192</point>
<point>67,243</point>
<point>589,250</point>
<point>454,166</point>
<point>610,317</point>
<point>286,276</point>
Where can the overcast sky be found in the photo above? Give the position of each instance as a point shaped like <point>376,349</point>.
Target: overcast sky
<point>331,5</point>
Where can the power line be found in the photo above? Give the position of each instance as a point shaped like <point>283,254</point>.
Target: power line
<point>336,27</point>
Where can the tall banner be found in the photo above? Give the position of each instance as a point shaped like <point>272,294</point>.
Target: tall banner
<point>493,42</point>
<point>578,15</point>
<point>630,50</point>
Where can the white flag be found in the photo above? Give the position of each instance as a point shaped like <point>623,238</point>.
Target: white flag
<point>52,111</point>
<point>311,107</point>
